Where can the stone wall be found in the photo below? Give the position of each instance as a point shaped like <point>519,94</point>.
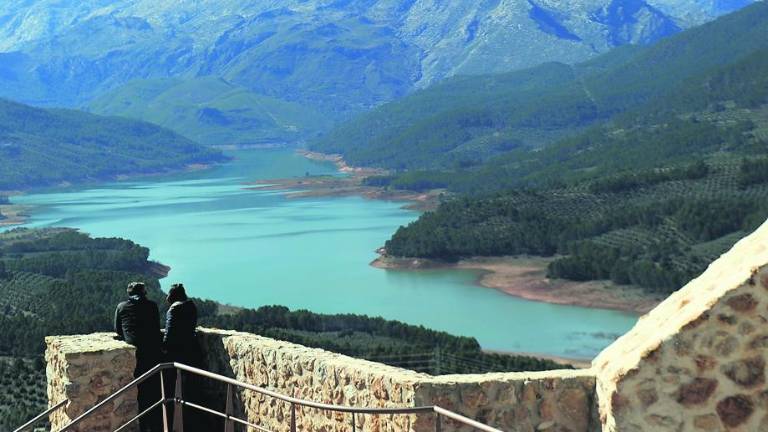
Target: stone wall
<point>85,370</point>
<point>522,402</point>
<point>697,361</point>
<point>556,400</point>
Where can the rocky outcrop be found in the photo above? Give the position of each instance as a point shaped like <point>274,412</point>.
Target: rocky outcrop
<point>85,370</point>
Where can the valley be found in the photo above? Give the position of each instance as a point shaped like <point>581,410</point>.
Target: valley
<point>69,268</point>
<point>645,185</point>
<point>451,188</point>
<point>200,223</point>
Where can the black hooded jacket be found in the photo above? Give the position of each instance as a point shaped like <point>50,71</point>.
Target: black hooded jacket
<point>137,321</point>
<point>180,341</point>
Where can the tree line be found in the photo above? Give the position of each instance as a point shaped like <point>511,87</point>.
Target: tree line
<point>641,229</point>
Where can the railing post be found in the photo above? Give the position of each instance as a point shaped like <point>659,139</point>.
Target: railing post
<point>438,423</point>
<point>293,417</point>
<point>178,414</point>
<point>229,425</point>
<point>163,395</point>
<point>354,425</point>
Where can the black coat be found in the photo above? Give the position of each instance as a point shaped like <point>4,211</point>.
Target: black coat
<point>137,321</point>
<point>180,340</point>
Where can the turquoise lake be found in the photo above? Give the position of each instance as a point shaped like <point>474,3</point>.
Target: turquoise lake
<point>252,248</point>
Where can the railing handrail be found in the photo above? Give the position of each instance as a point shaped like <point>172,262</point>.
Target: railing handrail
<point>302,402</point>
<point>233,382</point>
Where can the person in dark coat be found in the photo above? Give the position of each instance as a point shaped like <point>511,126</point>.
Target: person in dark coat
<point>137,321</point>
<point>180,340</point>
<point>180,345</point>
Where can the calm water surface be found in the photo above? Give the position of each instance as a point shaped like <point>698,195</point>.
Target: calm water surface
<point>252,248</point>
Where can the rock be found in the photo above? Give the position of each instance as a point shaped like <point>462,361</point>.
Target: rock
<point>708,422</point>
<point>705,363</point>
<point>742,303</point>
<point>746,373</point>
<point>735,410</point>
<point>726,346</point>
<point>648,397</point>
<point>696,392</point>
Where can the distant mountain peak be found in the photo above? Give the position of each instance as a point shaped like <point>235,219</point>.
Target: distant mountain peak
<point>634,22</point>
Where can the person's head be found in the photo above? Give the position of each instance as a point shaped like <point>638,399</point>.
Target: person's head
<point>137,288</point>
<point>176,293</point>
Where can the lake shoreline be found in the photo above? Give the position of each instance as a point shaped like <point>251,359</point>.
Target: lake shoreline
<point>286,233</point>
<point>161,271</point>
<point>158,270</point>
<point>344,186</point>
<point>578,363</point>
<point>522,277</point>
<point>17,214</point>
<point>14,215</point>
<point>525,277</point>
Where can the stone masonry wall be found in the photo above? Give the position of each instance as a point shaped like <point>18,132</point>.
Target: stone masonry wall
<point>697,361</point>
<point>556,400</point>
<point>85,370</point>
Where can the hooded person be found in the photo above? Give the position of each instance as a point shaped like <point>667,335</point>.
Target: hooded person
<point>180,345</point>
<point>180,340</point>
<point>137,321</point>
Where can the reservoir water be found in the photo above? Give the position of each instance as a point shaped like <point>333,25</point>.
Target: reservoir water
<point>252,248</point>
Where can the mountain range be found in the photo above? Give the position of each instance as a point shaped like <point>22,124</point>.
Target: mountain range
<point>466,121</point>
<point>338,57</point>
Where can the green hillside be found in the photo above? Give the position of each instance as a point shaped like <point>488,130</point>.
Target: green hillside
<point>648,197</point>
<point>656,229</point>
<point>684,124</point>
<point>212,111</point>
<point>40,147</point>
<point>466,121</point>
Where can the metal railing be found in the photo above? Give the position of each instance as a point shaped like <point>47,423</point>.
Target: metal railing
<point>229,414</point>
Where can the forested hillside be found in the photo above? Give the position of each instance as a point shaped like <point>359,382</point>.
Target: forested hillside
<point>647,200</point>
<point>40,147</point>
<point>213,111</point>
<point>468,120</point>
<point>60,281</point>
<point>648,196</point>
<point>656,229</point>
